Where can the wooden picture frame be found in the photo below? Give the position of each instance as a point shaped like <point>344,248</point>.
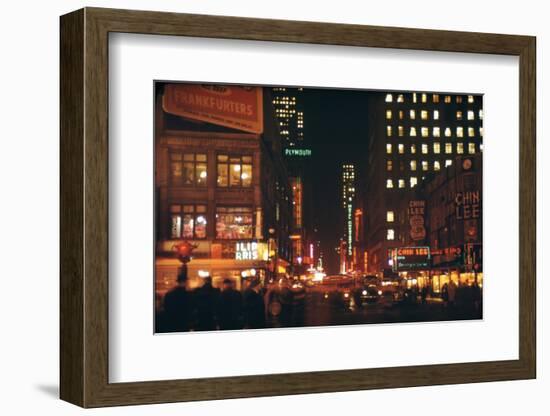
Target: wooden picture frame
<point>84,207</point>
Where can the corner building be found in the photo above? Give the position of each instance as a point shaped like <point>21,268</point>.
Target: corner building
<point>412,136</point>
<point>223,189</point>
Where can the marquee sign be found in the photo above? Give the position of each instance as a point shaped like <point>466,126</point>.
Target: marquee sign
<point>411,258</point>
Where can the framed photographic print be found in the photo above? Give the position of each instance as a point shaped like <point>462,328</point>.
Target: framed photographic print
<point>255,207</point>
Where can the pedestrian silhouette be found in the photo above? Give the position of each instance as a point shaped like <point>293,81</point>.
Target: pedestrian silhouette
<point>205,300</point>
<point>254,308</point>
<point>177,306</point>
<point>230,307</point>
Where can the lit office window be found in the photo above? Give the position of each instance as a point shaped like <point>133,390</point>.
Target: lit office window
<point>389,165</point>
<point>388,114</point>
<point>447,132</point>
<point>471,148</point>
<point>471,132</point>
<point>436,114</point>
<point>459,115</point>
<point>458,99</point>
<point>448,148</point>
<point>388,148</point>
<point>400,98</point>
<point>413,149</point>
<point>389,183</point>
<point>470,99</point>
<point>413,181</point>
<point>388,131</point>
<point>447,99</point>
<point>234,171</point>
<point>424,165</point>
<point>437,148</point>
<point>481,132</point>
<point>412,132</point>
<point>412,114</point>
<point>188,169</point>
<point>425,131</point>
<point>400,131</point>
<point>401,183</point>
<point>460,132</point>
<point>460,148</point>
<point>413,165</point>
<point>400,114</point>
<point>414,97</point>
<point>435,98</point>
<point>480,115</point>
<point>389,216</point>
<point>424,98</point>
<point>424,115</point>
<point>436,132</point>
<point>424,149</point>
<point>448,162</point>
<point>389,98</point>
<point>401,148</point>
<point>471,115</point>
<point>437,165</point>
<point>390,235</point>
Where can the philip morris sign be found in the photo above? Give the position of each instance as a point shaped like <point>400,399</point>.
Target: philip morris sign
<point>229,106</point>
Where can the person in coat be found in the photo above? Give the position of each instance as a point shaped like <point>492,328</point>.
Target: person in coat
<point>254,307</point>
<point>177,306</point>
<point>230,306</point>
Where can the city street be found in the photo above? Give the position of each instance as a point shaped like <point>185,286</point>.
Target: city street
<point>315,310</point>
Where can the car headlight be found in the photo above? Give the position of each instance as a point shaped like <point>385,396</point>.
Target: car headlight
<point>364,293</point>
<point>380,292</point>
<point>346,295</point>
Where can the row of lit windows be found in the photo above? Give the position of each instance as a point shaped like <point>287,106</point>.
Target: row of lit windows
<point>436,131</point>
<point>191,169</point>
<point>400,183</point>
<point>424,148</point>
<point>424,98</point>
<point>413,165</point>
<point>189,222</point>
<point>425,114</point>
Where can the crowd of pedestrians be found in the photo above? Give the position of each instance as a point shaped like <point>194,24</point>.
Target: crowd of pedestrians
<point>208,308</point>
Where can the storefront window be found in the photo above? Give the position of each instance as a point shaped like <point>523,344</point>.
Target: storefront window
<point>234,223</point>
<point>188,221</point>
<point>188,169</point>
<point>234,171</point>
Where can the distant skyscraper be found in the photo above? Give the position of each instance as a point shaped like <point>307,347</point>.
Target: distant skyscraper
<point>348,201</point>
<point>289,113</point>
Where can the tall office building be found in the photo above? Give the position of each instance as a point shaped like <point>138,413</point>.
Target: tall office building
<point>290,115</point>
<point>348,202</point>
<point>289,112</point>
<point>412,136</point>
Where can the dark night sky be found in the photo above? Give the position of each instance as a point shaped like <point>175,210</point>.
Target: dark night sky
<point>335,124</point>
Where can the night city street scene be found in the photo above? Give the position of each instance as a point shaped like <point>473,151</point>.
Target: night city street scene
<point>281,207</point>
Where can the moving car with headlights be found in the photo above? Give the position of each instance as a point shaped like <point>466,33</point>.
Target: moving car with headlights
<point>367,294</point>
